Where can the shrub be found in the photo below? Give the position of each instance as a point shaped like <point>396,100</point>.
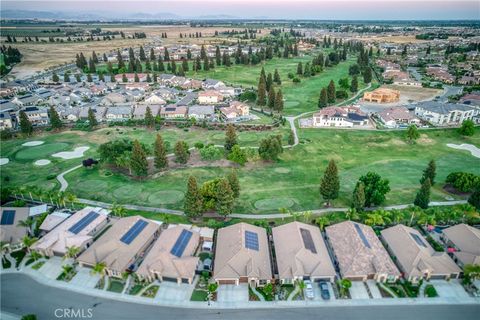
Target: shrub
<point>296,80</point>
<point>199,145</point>
<point>51,176</point>
<point>211,152</point>
<point>430,291</point>
<point>464,181</point>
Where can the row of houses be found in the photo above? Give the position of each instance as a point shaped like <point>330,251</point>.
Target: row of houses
<point>245,253</point>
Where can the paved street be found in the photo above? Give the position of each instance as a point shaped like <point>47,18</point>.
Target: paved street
<point>19,291</point>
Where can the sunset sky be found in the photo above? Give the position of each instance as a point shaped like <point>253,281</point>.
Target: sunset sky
<point>303,9</point>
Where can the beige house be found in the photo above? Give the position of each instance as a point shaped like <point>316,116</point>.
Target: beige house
<point>121,246</point>
<point>172,111</point>
<point>465,240</point>
<point>76,231</point>
<point>10,232</point>
<point>172,257</point>
<point>301,253</point>
<point>415,257</point>
<point>210,97</point>
<point>359,253</point>
<point>242,255</point>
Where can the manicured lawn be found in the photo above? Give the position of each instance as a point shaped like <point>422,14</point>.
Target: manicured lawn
<point>18,256</point>
<point>136,289</point>
<point>38,265</point>
<point>6,263</point>
<point>151,292</point>
<point>199,295</point>
<point>116,286</point>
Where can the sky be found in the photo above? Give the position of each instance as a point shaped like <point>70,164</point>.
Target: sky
<point>274,9</point>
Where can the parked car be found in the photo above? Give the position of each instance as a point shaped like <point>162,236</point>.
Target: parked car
<point>308,289</point>
<point>324,290</point>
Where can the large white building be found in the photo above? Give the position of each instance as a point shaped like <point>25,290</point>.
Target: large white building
<point>444,114</point>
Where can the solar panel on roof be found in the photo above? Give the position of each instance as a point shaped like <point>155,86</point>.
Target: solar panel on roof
<point>8,216</point>
<point>307,240</point>
<point>418,240</point>
<point>134,231</point>
<point>181,243</point>
<point>362,235</point>
<point>251,240</point>
<point>170,109</point>
<point>83,223</point>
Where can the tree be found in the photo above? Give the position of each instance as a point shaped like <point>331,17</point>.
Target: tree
<point>322,222</point>
<point>27,242</point>
<point>279,101</point>
<point>160,153</point>
<point>270,148</point>
<point>26,126</point>
<point>300,69</point>
<point>66,77</point>
<point>276,77</point>
<point>354,84</point>
<point>423,196</point>
<point>72,252</point>
<point>331,92</point>
<point>55,78</point>
<point>237,155</point>
<point>345,284</point>
<point>224,198</point>
<point>474,199</point>
<point>373,219</point>
<point>367,75</point>
<point>138,160</point>
<point>358,199</point>
<point>55,120</point>
<point>99,268</point>
<point>29,317</point>
<point>92,120</point>
<point>261,92</point>
<point>412,133</point>
<point>330,183</point>
<point>271,98</point>
<point>375,188</point>
<point>323,100</point>
<point>291,138</point>
<point>269,82</point>
<point>467,128</point>
<point>230,138</point>
<point>193,205</point>
<point>149,119</point>
<point>181,152</point>
<point>429,172</point>
<point>234,183</point>
<point>118,210</point>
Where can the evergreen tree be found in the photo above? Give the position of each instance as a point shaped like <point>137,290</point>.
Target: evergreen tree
<point>193,205</point>
<point>89,78</point>
<point>300,69</point>
<point>55,78</point>
<point>181,152</point>
<point>160,153</point>
<point>142,55</point>
<point>358,200</point>
<point>92,120</point>
<point>136,78</point>
<point>138,160</point>
<point>271,98</point>
<point>66,77</point>
<point>331,92</point>
<point>26,126</point>
<point>224,198</point>
<point>185,65</point>
<point>91,66</point>
<point>354,85</point>
<point>276,77</point>
<point>149,119</point>
<point>423,196</point>
<point>412,133</point>
<point>55,120</point>
<point>330,183</point>
<point>230,138</point>
<point>474,199</point>
<point>367,75</point>
<point>268,83</point>
<point>279,101</point>
<point>149,79</point>
<point>323,100</point>
<point>429,173</point>
<point>467,128</point>
<point>124,78</point>
<point>166,55</point>
<point>261,92</point>
<point>152,55</point>
<point>234,183</point>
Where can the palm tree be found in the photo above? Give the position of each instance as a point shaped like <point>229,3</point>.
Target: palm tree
<point>373,218</point>
<point>468,212</point>
<point>72,252</point>
<point>70,197</point>
<point>352,214</point>
<point>61,197</point>
<point>35,255</point>
<point>27,223</point>
<point>295,215</point>
<point>165,218</point>
<point>322,222</point>
<point>118,210</point>
<point>397,216</point>
<point>307,216</point>
<point>99,268</point>
<point>345,284</point>
<point>28,242</point>
<point>415,212</point>
<point>425,219</point>
<point>301,286</point>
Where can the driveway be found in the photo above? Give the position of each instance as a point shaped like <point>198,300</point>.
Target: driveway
<point>372,285</point>
<point>358,290</point>
<point>85,279</point>
<point>318,293</point>
<point>174,292</point>
<point>449,289</point>
<point>233,293</point>
<point>53,267</point>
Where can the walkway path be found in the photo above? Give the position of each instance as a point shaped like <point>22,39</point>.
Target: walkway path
<point>293,293</point>
<point>258,294</point>
<point>61,179</point>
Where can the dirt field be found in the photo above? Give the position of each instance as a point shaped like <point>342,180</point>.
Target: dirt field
<point>40,56</point>
<point>396,39</point>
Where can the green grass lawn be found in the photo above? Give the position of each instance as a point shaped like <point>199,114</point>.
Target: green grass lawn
<point>199,295</point>
<point>18,256</point>
<point>115,286</point>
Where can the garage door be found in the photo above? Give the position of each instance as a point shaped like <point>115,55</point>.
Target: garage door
<point>169,279</point>
<point>243,279</point>
<point>437,277</point>
<point>226,281</point>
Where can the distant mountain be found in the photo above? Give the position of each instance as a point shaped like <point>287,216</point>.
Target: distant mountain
<point>216,17</point>
<point>154,16</point>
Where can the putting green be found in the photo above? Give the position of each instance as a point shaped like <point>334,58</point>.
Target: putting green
<point>274,203</point>
<point>166,197</point>
<point>127,192</point>
<point>42,151</point>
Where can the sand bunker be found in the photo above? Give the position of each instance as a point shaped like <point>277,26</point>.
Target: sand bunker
<point>42,162</point>
<point>465,146</point>
<point>4,161</point>
<point>76,153</point>
<point>32,143</point>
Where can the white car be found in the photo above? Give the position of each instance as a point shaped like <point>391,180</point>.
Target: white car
<point>308,289</point>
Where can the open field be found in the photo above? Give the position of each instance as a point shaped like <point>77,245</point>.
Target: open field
<point>292,182</point>
<point>395,39</point>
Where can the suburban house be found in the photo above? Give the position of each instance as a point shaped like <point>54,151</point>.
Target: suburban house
<point>213,84</point>
<point>464,243</point>
<point>444,114</point>
<point>131,77</point>
<point>340,117</point>
<point>242,255</point>
<point>10,231</point>
<point>415,257</point>
<point>201,112</point>
<point>53,220</point>
<point>38,116</point>
<point>113,99</point>
<point>76,231</point>
<point>188,99</point>
<point>359,253</point>
<point>382,95</point>
<point>191,84</point>
<point>210,97</point>
<point>395,117</point>
<point>119,113</point>
<point>155,99</point>
<point>236,110</point>
<point>141,109</point>
<point>5,121</point>
<point>440,74</point>
<point>70,114</point>
<point>172,257</point>
<point>121,245</point>
<point>26,100</point>
<point>142,86</point>
<point>172,111</point>
<point>301,253</point>
<point>98,111</point>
